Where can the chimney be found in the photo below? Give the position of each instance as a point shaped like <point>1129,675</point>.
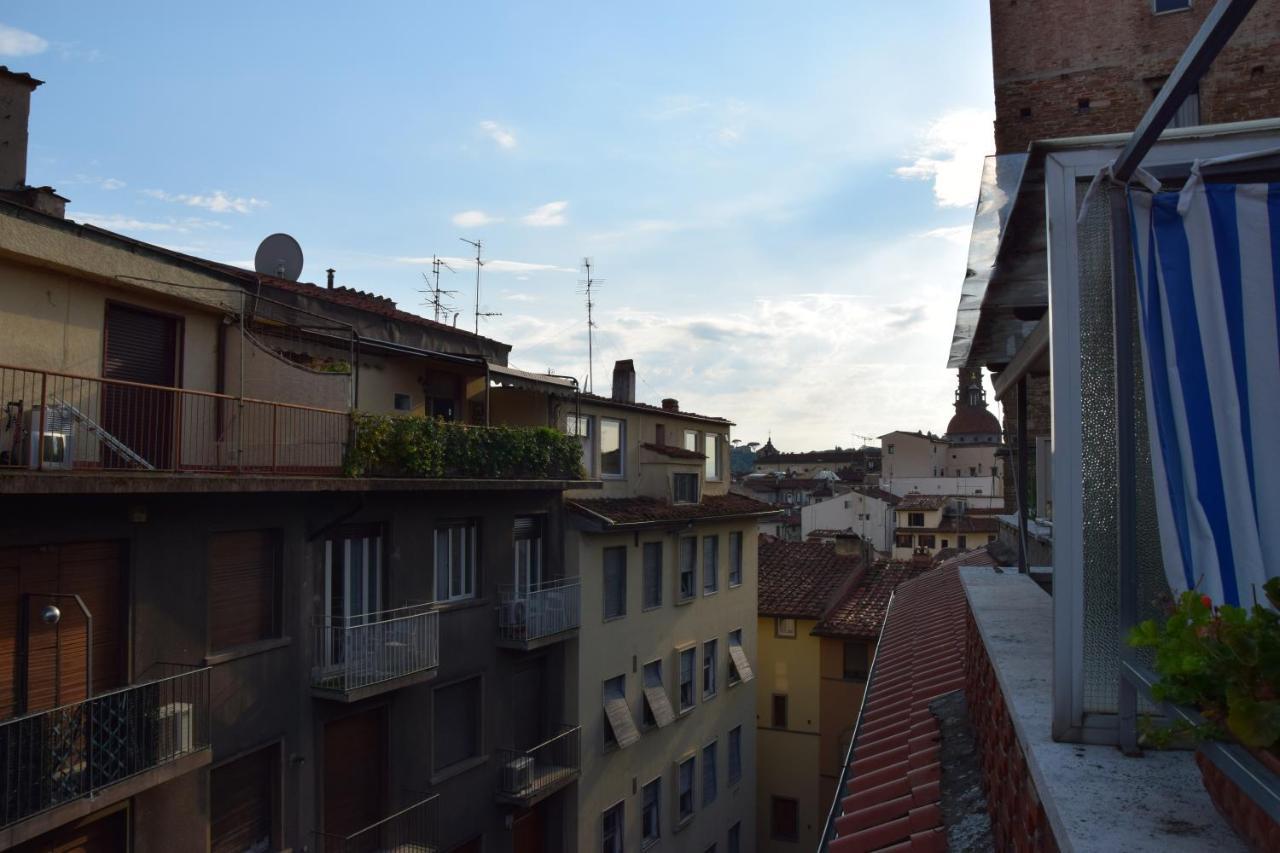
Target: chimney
<point>848,544</point>
<point>330,271</point>
<point>15,112</point>
<point>671,404</point>
<point>624,381</point>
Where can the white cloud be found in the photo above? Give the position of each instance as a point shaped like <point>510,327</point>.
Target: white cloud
<point>216,202</point>
<point>16,42</point>
<point>728,135</point>
<point>111,184</point>
<point>123,222</point>
<point>93,180</point>
<point>473,219</point>
<point>549,214</point>
<point>490,265</point>
<point>499,134</point>
<point>950,155</point>
<point>958,234</point>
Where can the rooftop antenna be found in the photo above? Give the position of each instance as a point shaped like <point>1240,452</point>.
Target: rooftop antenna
<point>479,263</point>
<point>438,300</point>
<point>588,286</point>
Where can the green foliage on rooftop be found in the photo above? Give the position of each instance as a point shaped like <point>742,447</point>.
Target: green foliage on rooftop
<point>409,446</point>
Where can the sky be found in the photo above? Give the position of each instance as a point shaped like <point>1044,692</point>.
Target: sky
<point>776,197</point>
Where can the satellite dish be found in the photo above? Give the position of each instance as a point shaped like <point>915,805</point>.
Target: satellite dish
<point>279,255</point>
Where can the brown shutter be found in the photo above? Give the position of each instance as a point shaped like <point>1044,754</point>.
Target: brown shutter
<point>353,772</point>
<point>243,587</point>
<point>140,346</point>
<point>241,799</point>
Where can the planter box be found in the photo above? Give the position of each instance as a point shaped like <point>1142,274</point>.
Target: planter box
<point>1246,817</point>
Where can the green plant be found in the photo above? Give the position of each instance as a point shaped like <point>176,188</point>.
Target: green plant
<point>410,446</point>
<point>1223,660</point>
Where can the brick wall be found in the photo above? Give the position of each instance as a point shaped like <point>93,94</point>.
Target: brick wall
<point>1018,820</point>
<point>1049,55</point>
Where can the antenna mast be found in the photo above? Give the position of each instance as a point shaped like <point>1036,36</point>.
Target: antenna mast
<point>437,300</point>
<point>588,286</point>
<point>479,263</point>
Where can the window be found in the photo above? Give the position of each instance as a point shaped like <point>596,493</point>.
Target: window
<point>890,450</point>
<point>784,819</point>
<point>688,567</point>
<point>580,426</point>
<point>684,488</point>
<point>612,829</point>
<point>684,776</point>
<point>651,812</point>
<point>619,729</point>
<point>651,594</point>
<point>784,627</point>
<point>244,802</point>
<point>352,587</point>
<point>1170,5</point>
<point>657,707</point>
<point>712,449</point>
<point>735,838</point>
<point>456,720</point>
<point>615,582</point>
<point>709,774</point>
<point>1188,114</point>
<point>739,667</point>
<point>735,755</point>
<point>244,588</point>
<point>915,519</point>
<point>691,440</point>
<point>926,540</point>
<point>855,661</point>
<point>710,564</point>
<point>455,560</point>
<point>710,664</point>
<point>962,541</point>
<point>443,408</point>
<point>902,540</point>
<point>735,558</point>
<point>527,533</point>
<point>403,403</point>
<point>944,543</point>
<point>687,669</point>
<point>613,436</point>
<point>779,711</point>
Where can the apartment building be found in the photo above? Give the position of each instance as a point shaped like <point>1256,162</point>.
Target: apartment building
<point>929,524</point>
<point>665,654</point>
<point>866,511</point>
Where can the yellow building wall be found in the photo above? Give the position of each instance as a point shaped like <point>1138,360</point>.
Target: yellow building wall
<point>839,704</point>
<point>932,520</point>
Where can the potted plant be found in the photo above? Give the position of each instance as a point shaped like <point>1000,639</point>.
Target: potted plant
<point>1225,662</point>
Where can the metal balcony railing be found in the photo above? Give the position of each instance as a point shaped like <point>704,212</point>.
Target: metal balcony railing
<point>355,652</point>
<point>532,612</point>
<point>524,774</point>
<point>48,758</point>
<point>411,830</point>
<point>63,422</point>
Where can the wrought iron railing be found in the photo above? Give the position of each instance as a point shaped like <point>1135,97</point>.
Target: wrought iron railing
<point>358,651</point>
<point>539,610</point>
<point>48,758</point>
<point>525,773</point>
<point>411,830</point>
<point>64,422</point>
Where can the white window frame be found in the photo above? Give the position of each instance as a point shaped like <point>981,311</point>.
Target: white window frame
<point>583,428</point>
<point>691,440</point>
<point>466,581</point>
<point>368,582</point>
<point>647,840</point>
<point>527,564</point>
<point>784,627</point>
<point>714,575</point>
<point>711,448</point>
<point>683,707</point>
<point>692,763</point>
<point>619,839</point>
<point>647,548</point>
<point>714,787</point>
<point>692,573</point>
<point>735,565</point>
<point>622,449</point>
<point>710,673</point>
<point>675,493</point>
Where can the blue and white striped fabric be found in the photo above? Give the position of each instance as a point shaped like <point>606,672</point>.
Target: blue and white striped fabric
<point>1208,277</point>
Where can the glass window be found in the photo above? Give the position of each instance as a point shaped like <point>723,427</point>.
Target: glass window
<point>611,829</point>
<point>710,564</point>
<point>456,719</point>
<point>735,558</point>
<point>353,576</point>
<point>712,449</point>
<point>902,540</point>
<point>613,436</point>
<point>855,661</point>
<point>915,519</point>
<point>1171,5</point>
<point>709,774</point>
<point>926,540</point>
<point>685,780</point>
<point>688,666</point>
<point>455,560</point>
<point>735,838</point>
<point>784,627</point>
<point>403,403</point>
<point>735,755</point>
<point>688,566</point>
<point>784,822</point>
<point>684,488</point>
<point>691,440</point>
<point>739,667</point>
<point>651,812</point>
<point>581,426</point>
<point>528,554</point>
<point>652,592</point>
<point>779,711</point>
<point>710,665</point>
<point>615,582</point>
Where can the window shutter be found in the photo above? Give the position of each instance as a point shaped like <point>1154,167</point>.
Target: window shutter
<point>740,663</point>
<point>619,716</point>
<point>659,703</point>
<point>242,588</point>
<point>240,799</point>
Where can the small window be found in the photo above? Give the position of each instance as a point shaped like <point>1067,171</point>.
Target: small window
<point>1082,105</point>
<point>735,838</point>
<point>962,541</point>
<point>855,661</point>
<point>244,588</point>
<point>735,755</point>
<point>403,403</point>
<point>779,711</point>
<point>739,666</point>
<point>710,667</point>
<point>657,707</point>
<point>619,728</point>
<point>712,449</point>
<point>652,592</point>
<point>926,540</point>
<point>527,545</point>
<point>651,812</point>
<point>890,450</point>
<point>684,488</point>
<point>612,829</point>
<point>615,582</point>
<point>684,803</point>
<point>691,440</point>
<point>580,426</point>
<point>735,558</point>
<point>710,564</point>
<point>915,519</point>
<point>1025,112</point>
<point>688,567</point>
<point>455,545</point>
<point>784,819</point>
<point>613,442</point>
<point>1171,5</point>
<point>784,627</point>
<point>688,666</point>
<point>456,719</point>
<point>709,774</point>
<point>902,540</point>
<point>944,543</point>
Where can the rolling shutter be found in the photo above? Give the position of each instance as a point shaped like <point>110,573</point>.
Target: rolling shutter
<point>741,665</point>
<point>243,588</point>
<point>619,716</point>
<point>353,772</point>
<point>241,800</point>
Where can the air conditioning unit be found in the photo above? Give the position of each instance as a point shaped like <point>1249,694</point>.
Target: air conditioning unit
<point>58,446</point>
<point>517,774</point>
<point>513,613</point>
<point>174,730</point>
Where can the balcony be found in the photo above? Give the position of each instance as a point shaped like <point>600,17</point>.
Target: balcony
<point>101,750</point>
<point>67,423</point>
<point>411,830</point>
<point>526,776</point>
<point>361,656</point>
<point>537,615</point>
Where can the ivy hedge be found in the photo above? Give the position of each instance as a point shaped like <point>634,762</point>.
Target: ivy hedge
<point>409,446</point>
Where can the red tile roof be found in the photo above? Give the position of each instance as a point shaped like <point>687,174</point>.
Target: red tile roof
<point>615,512</point>
<point>802,579</point>
<point>891,797</point>
<point>921,502</point>
<point>860,614</point>
<point>976,557</point>
<point>647,407</point>
<point>963,524</point>
<point>877,493</point>
<point>673,451</point>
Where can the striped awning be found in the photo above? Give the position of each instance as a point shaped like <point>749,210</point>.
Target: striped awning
<point>1208,273</point>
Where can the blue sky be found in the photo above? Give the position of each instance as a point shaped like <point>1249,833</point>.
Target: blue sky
<point>777,196</point>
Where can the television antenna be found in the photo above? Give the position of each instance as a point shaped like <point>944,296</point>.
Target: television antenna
<point>438,300</point>
<point>588,286</point>
<point>479,263</point>
<point>279,255</point>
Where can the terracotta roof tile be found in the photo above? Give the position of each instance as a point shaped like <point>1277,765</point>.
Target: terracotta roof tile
<point>801,579</point>
<point>860,614</point>
<point>648,407</point>
<point>673,451</point>
<point>645,510</point>
<point>915,501</point>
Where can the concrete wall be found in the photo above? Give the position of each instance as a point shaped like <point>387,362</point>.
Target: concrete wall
<point>622,646</point>
<point>848,512</point>
<point>909,454</point>
<point>984,492</point>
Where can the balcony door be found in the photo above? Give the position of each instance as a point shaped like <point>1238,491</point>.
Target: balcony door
<point>355,775</point>
<point>353,586</point>
<point>528,555</point>
<point>139,346</point>
<point>529,831</point>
